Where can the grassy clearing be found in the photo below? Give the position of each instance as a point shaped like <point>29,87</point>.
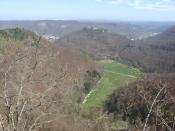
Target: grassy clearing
<point>115,75</point>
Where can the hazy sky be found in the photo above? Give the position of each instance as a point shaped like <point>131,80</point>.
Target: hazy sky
<point>155,10</point>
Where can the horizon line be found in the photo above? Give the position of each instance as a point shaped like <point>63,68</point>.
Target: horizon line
<point>86,20</point>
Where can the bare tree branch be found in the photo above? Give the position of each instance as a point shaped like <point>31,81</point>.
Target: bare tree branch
<point>147,118</point>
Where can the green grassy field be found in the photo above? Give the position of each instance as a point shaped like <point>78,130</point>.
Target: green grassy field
<point>115,75</point>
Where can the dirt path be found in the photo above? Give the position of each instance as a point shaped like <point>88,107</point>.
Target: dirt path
<point>120,74</point>
<point>88,95</point>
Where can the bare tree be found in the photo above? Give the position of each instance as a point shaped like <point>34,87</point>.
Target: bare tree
<point>19,110</point>
<point>152,105</point>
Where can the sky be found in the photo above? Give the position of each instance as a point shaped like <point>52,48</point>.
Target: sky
<point>106,10</point>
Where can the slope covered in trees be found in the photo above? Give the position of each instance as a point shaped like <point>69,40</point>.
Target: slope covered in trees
<point>154,54</point>
<point>41,84</point>
<point>98,43</point>
<point>148,103</point>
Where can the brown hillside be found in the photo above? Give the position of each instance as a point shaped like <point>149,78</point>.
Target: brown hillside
<point>154,54</point>
<point>41,84</point>
<point>133,103</point>
<point>98,43</point>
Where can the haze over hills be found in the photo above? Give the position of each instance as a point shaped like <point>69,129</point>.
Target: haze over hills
<point>55,29</point>
<point>168,34</point>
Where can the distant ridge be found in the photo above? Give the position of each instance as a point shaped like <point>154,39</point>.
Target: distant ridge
<point>154,54</point>
<point>60,28</point>
<point>98,43</point>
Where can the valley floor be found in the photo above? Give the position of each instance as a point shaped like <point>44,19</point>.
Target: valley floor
<point>115,75</point>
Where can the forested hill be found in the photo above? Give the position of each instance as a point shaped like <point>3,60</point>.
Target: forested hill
<point>40,80</point>
<point>154,54</point>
